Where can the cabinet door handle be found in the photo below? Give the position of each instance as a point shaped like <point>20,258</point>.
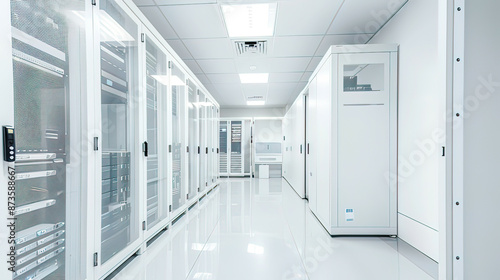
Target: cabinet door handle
<point>145,148</point>
<point>307,148</point>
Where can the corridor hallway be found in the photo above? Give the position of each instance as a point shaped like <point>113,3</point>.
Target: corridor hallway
<point>259,229</point>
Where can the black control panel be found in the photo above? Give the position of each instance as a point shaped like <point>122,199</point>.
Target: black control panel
<point>9,144</point>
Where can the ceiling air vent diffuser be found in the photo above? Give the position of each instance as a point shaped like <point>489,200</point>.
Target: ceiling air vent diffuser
<point>255,97</point>
<point>244,48</point>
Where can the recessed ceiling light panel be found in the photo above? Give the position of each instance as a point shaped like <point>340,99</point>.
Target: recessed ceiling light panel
<point>254,78</point>
<point>250,20</point>
<point>256,103</point>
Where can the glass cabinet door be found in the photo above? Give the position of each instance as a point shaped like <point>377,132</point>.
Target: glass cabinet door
<point>193,148</point>
<point>178,85</point>
<point>223,148</point>
<point>118,34</point>
<point>48,72</point>
<point>210,142</point>
<point>156,95</point>
<point>203,141</point>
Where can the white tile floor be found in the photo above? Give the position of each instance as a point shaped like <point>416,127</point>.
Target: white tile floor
<point>259,229</point>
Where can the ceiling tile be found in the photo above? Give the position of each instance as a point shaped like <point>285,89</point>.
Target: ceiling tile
<point>361,16</point>
<point>203,79</point>
<point>230,94</point>
<point>261,64</point>
<point>180,49</point>
<point>284,77</point>
<point>330,40</point>
<point>139,3</point>
<point>193,66</point>
<point>314,63</point>
<point>217,66</point>
<point>291,64</point>
<point>159,21</point>
<point>224,78</point>
<point>296,45</point>
<point>209,48</point>
<point>255,89</point>
<point>306,76</point>
<point>195,21</point>
<point>304,17</point>
<point>278,88</point>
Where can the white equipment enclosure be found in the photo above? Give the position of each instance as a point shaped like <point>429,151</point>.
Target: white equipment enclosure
<point>351,162</point>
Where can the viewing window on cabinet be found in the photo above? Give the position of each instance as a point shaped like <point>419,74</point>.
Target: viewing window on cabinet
<point>363,77</point>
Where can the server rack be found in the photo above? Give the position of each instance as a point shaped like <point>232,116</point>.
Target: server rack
<point>203,142</point>
<point>193,148</point>
<point>156,145</point>
<point>178,87</point>
<point>45,93</point>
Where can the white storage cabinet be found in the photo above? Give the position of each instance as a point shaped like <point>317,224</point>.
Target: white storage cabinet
<point>352,140</point>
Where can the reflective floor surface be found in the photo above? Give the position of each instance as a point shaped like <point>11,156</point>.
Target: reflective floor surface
<point>259,229</point>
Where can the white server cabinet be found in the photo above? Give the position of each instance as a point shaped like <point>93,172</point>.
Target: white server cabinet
<point>234,143</point>
<point>294,145</point>
<point>157,126</point>
<point>352,140</point>
<point>193,145</point>
<point>47,117</point>
<point>204,164</point>
<point>101,124</point>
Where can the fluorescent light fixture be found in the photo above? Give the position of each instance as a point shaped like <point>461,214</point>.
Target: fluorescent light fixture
<point>163,79</point>
<point>256,103</point>
<point>111,30</point>
<point>255,249</point>
<point>254,78</point>
<point>250,20</point>
<point>201,104</point>
<point>176,81</point>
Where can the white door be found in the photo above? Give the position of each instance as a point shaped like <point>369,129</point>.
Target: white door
<point>118,232</point>
<point>364,139</point>
<point>156,168</point>
<point>312,149</point>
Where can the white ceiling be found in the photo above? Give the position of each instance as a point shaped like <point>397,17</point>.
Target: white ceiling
<point>304,30</point>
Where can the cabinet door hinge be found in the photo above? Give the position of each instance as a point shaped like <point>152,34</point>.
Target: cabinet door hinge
<point>169,148</point>
<point>96,143</point>
<point>143,37</point>
<point>170,208</point>
<point>444,151</point>
<point>143,225</point>
<point>96,259</point>
<point>94,2</point>
<point>169,64</point>
<point>199,149</point>
<point>187,149</point>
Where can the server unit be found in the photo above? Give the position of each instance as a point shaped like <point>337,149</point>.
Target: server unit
<point>234,147</point>
<point>352,140</point>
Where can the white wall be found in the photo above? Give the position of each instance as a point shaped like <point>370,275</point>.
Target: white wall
<point>421,121</point>
<point>252,112</point>
<point>268,130</point>
<point>481,203</point>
